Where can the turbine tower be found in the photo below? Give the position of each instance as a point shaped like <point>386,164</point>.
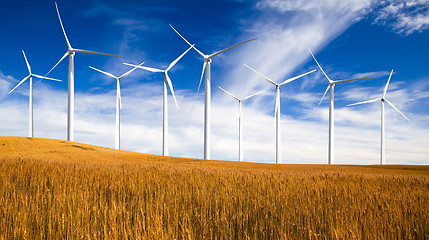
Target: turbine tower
<point>240,120</point>
<point>207,92</point>
<point>30,109</point>
<point>71,52</point>
<point>382,100</point>
<point>277,108</point>
<point>167,80</point>
<point>118,102</point>
<point>331,85</point>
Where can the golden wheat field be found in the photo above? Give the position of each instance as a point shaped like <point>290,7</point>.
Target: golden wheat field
<point>52,189</point>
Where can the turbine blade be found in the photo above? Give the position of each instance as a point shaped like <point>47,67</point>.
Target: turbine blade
<point>349,80</point>
<point>253,95</point>
<point>62,58</point>
<point>260,74</point>
<point>106,73</point>
<point>171,89</point>
<point>387,84</point>
<point>119,94</point>
<point>62,27</point>
<point>23,80</point>
<point>92,52</point>
<point>26,61</point>
<point>226,49</point>
<point>294,78</point>
<point>180,35</point>
<point>321,69</point>
<point>201,79</point>
<point>393,106</point>
<point>199,85</point>
<point>323,96</point>
<point>369,101</point>
<point>277,104</point>
<point>229,93</point>
<point>145,68</point>
<point>198,51</point>
<point>177,59</point>
<point>44,77</point>
<point>127,73</point>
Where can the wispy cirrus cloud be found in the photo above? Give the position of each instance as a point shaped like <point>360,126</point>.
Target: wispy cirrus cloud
<point>282,45</point>
<point>404,16</point>
<point>344,6</point>
<point>5,84</point>
<point>371,74</point>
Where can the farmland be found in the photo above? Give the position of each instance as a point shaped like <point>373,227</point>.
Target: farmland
<point>58,189</point>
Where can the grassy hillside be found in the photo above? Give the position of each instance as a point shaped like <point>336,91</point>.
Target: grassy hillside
<point>59,189</point>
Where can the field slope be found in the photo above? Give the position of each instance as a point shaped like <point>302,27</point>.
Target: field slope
<point>59,189</point>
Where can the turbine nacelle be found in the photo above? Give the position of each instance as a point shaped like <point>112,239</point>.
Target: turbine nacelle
<point>240,99</point>
<point>279,84</point>
<point>118,79</point>
<point>31,75</point>
<point>277,107</point>
<point>165,72</point>
<point>70,50</point>
<point>382,99</point>
<point>207,58</point>
<point>331,83</point>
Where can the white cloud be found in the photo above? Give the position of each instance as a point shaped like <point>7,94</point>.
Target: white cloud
<point>305,5</point>
<point>371,74</point>
<point>5,84</point>
<point>282,46</point>
<point>404,16</point>
<point>304,140</point>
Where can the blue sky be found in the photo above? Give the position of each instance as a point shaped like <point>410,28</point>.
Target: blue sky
<point>349,38</point>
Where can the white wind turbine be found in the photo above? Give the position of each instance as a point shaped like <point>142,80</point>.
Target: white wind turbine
<point>207,92</point>
<point>382,99</point>
<point>240,120</point>
<point>118,102</point>
<point>331,108</point>
<point>167,80</point>
<point>30,110</point>
<point>277,107</point>
<point>71,52</point>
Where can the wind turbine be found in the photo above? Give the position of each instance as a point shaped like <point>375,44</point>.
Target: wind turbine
<point>277,108</point>
<point>71,52</point>
<point>30,110</point>
<point>383,100</point>
<point>331,85</point>
<point>118,102</point>
<point>167,80</point>
<point>207,93</point>
<point>240,120</point>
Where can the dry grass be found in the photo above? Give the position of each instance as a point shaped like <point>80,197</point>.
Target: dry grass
<point>56,189</point>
